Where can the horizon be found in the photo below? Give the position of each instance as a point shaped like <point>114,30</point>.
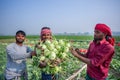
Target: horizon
<point>65,33</point>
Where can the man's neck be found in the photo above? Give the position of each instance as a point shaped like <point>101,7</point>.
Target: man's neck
<point>98,41</point>
<point>20,44</point>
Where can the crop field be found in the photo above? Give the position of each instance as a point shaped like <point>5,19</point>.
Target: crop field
<point>70,66</point>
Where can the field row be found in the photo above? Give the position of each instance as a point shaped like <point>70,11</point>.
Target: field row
<point>69,66</point>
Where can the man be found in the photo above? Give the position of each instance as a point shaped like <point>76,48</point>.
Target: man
<point>45,34</point>
<point>16,58</point>
<point>99,54</point>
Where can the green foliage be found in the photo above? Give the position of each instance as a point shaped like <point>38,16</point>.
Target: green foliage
<point>69,66</point>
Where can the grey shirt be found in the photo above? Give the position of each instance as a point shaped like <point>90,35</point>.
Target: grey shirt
<point>16,57</point>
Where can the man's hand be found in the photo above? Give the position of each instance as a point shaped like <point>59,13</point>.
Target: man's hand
<point>33,53</point>
<point>73,52</point>
<point>77,49</point>
<point>38,46</point>
<point>79,56</point>
<point>42,64</point>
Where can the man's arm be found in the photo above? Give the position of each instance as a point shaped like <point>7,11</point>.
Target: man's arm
<point>81,57</point>
<point>16,55</point>
<point>31,52</point>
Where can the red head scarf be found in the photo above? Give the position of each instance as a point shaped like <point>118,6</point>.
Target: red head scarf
<point>105,29</point>
<point>44,31</point>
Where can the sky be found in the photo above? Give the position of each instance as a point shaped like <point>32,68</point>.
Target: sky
<point>71,16</point>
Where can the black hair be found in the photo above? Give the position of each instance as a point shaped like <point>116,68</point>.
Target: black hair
<point>108,37</point>
<point>21,32</point>
<point>45,28</point>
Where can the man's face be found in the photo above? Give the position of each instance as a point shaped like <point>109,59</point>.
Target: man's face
<point>20,38</point>
<point>98,35</point>
<point>46,36</point>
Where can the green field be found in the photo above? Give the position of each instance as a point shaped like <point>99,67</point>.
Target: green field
<point>72,37</point>
<point>78,41</point>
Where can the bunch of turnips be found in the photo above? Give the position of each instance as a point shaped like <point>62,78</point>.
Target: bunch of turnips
<point>52,53</point>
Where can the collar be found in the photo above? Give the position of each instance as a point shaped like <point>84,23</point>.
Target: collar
<point>101,42</point>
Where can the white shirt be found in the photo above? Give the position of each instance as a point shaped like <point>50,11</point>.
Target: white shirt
<point>16,58</point>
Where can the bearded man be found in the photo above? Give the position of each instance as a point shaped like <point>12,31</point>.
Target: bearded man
<point>17,53</point>
<point>99,55</point>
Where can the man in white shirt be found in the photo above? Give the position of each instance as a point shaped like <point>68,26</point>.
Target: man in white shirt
<point>16,58</point>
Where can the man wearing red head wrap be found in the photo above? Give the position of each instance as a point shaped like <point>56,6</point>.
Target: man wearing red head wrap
<point>45,34</point>
<point>107,31</point>
<point>99,55</point>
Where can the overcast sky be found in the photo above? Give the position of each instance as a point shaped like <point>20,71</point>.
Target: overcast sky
<point>71,16</point>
